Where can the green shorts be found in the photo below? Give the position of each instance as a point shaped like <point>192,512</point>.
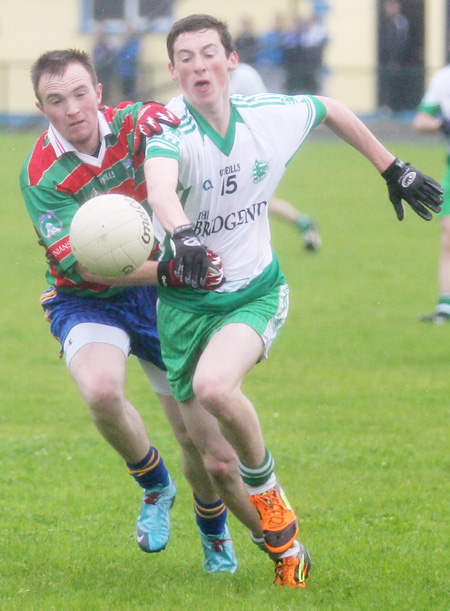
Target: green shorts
<point>445,211</point>
<point>185,335</point>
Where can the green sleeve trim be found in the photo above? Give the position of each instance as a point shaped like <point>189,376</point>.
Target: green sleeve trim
<point>321,111</point>
<point>431,109</point>
<point>161,152</point>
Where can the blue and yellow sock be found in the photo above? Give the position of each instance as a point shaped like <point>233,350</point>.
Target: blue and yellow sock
<point>150,471</point>
<point>211,519</point>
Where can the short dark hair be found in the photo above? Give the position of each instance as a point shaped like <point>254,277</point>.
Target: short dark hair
<point>196,23</point>
<point>56,62</point>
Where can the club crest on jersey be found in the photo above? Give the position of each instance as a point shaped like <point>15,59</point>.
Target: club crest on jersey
<point>49,224</point>
<point>259,171</point>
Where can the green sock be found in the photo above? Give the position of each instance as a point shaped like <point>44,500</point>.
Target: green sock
<point>257,476</point>
<point>443,304</point>
<point>303,222</point>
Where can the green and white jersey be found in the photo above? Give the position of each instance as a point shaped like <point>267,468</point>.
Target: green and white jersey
<point>436,100</point>
<point>225,185</point>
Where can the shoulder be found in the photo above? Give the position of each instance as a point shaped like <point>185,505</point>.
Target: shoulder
<point>123,115</point>
<point>177,105</point>
<point>277,104</point>
<point>188,124</point>
<point>442,76</point>
<point>38,162</point>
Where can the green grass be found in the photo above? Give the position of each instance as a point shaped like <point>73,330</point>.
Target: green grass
<point>353,401</point>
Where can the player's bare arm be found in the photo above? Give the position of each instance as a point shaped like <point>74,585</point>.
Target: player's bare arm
<point>404,182</point>
<point>161,175</point>
<point>345,124</point>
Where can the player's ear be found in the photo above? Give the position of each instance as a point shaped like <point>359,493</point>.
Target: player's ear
<point>39,106</point>
<point>233,61</point>
<point>98,91</point>
<point>173,72</point>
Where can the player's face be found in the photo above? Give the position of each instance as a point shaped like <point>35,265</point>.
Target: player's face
<point>201,67</point>
<point>70,102</point>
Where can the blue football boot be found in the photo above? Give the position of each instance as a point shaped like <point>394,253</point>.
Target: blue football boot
<point>153,523</point>
<point>219,552</point>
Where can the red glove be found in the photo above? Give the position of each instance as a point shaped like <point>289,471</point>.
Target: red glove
<point>148,122</point>
<point>214,277</point>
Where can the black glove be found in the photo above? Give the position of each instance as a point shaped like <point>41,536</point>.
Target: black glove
<point>191,261</point>
<point>165,274</point>
<point>419,190</point>
<point>445,127</point>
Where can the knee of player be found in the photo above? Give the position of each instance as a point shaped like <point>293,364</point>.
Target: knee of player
<point>220,469</point>
<point>213,392</point>
<point>103,395</point>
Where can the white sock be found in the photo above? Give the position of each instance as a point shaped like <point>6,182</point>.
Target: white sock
<point>271,483</point>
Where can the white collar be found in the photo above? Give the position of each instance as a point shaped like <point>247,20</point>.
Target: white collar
<point>61,145</point>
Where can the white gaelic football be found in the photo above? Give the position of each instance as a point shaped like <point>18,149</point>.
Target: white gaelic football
<point>111,235</point>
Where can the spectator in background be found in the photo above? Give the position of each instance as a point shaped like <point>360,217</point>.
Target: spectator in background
<point>269,58</point>
<point>104,59</point>
<point>392,48</point>
<point>314,39</point>
<point>303,48</point>
<point>128,63</point>
<point>292,56</point>
<point>245,42</point>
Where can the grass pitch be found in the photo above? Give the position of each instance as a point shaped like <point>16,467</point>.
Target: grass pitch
<point>353,401</point>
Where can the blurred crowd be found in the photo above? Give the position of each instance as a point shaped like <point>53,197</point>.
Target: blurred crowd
<point>117,63</point>
<point>288,56</point>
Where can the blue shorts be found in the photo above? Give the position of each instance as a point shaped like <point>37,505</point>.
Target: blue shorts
<point>133,310</point>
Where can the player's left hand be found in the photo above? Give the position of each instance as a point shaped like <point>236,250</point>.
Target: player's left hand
<point>422,193</point>
<point>148,122</point>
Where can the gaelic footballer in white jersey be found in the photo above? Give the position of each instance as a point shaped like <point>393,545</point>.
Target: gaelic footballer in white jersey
<point>225,183</point>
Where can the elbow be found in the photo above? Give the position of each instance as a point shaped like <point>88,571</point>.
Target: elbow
<point>416,125</point>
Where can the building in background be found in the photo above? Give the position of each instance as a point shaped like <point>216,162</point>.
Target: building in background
<point>351,56</point>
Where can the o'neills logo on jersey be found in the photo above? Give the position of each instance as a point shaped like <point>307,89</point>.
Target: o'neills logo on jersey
<point>60,249</point>
<point>205,227</point>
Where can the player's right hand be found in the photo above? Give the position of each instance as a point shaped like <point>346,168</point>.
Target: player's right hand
<point>214,277</point>
<point>149,120</point>
<point>191,260</point>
